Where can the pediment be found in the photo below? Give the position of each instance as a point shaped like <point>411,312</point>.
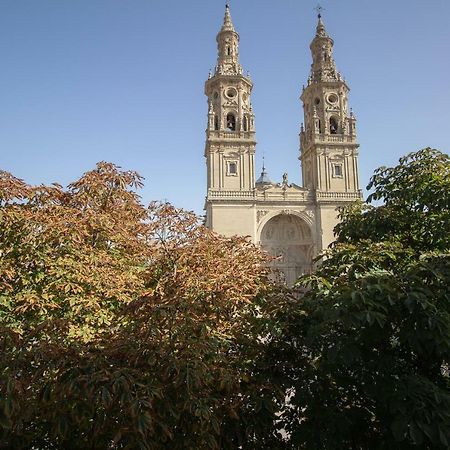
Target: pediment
<point>230,103</point>
<point>279,187</point>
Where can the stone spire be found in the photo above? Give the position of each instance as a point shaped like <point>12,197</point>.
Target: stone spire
<point>227,23</point>
<point>320,29</point>
<point>323,67</point>
<point>228,47</point>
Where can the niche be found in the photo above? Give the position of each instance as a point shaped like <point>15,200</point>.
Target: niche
<point>333,125</point>
<point>231,122</point>
<point>246,123</point>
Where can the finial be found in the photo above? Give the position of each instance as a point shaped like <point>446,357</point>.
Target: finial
<point>319,8</point>
<point>264,179</point>
<point>320,29</point>
<point>227,4</point>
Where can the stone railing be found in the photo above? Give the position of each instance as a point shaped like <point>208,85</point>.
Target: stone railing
<point>241,195</point>
<point>262,196</point>
<point>223,134</point>
<point>339,196</point>
<point>335,138</point>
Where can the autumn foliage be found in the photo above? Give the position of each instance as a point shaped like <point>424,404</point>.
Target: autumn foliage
<point>124,326</point>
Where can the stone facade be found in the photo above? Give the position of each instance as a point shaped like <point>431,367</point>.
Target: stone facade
<point>291,222</point>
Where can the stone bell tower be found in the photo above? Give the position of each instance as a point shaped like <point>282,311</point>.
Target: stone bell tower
<point>230,137</point>
<point>329,150</point>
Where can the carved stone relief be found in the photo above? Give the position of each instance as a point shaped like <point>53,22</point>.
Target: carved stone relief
<point>260,214</point>
<point>289,239</point>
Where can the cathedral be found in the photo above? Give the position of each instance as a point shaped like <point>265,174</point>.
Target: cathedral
<point>293,223</point>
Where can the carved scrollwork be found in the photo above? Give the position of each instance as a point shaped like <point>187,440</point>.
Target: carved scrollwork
<point>260,214</point>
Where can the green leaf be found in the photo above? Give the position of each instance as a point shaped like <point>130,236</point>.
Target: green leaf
<point>399,428</point>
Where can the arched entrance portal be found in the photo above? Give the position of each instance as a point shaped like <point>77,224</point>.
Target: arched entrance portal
<point>288,238</point>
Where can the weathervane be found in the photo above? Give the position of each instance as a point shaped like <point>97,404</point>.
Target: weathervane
<point>319,8</point>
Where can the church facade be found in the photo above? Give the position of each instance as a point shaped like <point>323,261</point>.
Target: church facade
<point>293,223</point>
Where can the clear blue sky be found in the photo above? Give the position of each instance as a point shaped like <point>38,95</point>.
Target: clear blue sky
<point>122,80</point>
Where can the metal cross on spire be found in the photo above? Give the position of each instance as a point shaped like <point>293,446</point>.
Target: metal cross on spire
<point>319,8</point>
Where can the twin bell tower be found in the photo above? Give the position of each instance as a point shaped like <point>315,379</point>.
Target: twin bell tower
<point>293,223</point>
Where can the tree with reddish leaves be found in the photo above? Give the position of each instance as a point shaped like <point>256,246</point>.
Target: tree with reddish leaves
<point>124,326</point>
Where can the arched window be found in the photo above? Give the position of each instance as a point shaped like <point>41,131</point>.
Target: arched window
<point>216,123</point>
<point>231,122</point>
<point>333,125</point>
<point>228,50</point>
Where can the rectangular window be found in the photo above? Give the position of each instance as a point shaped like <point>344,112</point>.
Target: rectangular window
<point>232,168</point>
<point>337,170</point>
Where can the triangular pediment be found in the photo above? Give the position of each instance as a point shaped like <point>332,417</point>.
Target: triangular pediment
<point>230,103</point>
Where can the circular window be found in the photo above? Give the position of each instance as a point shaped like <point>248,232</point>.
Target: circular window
<point>231,93</point>
<point>333,98</point>
<point>316,100</point>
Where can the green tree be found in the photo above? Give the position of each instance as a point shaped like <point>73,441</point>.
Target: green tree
<point>123,326</point>
<point>415,208</point>
<point>366,352</point>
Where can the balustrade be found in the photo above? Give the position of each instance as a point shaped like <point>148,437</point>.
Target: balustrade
<point>224,134</point>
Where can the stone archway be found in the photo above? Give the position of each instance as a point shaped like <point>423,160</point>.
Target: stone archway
<point>288,238</point>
